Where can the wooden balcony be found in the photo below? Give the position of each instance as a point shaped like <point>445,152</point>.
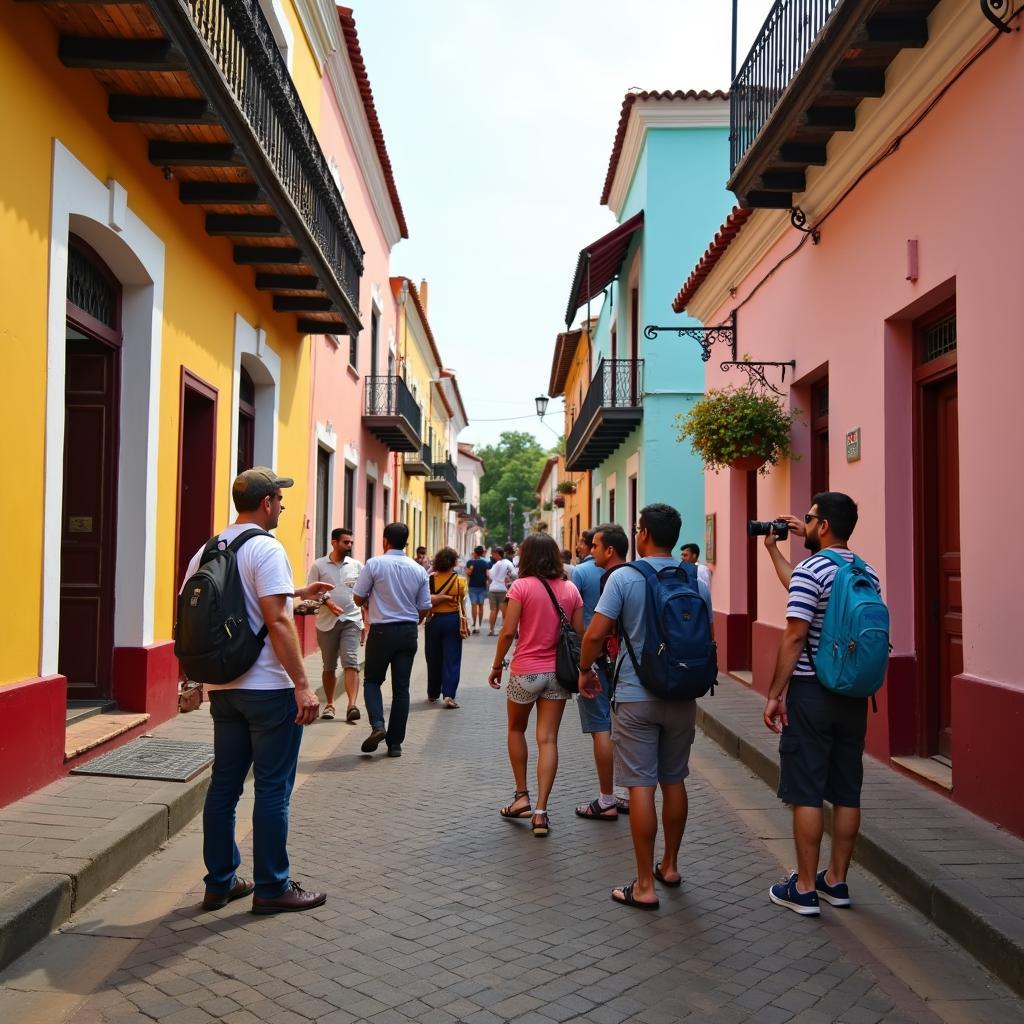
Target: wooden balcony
<point>801,83</point>
<point>209,91</point>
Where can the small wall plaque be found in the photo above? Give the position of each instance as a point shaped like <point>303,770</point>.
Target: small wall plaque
<point>709,538</point>
<point>79,524</point>
<point>853,445</point>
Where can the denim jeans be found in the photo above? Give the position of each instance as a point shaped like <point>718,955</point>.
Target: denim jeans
<point>251,728</point>
<point>390,645</point>
<point>442,639</point>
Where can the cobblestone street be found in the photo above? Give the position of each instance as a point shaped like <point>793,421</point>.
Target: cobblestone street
<point>440,911</point>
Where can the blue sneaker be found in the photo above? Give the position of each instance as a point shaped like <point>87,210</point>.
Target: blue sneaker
<point>838,895</point>
<point>785,894</point>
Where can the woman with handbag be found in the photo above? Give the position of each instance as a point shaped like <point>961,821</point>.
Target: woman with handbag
<point>446,628</point>
<point>547,610</point>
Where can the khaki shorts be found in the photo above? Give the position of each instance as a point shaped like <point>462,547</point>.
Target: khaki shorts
<point>497,598</point>
<point>342,639</point>
<point>652,741</point>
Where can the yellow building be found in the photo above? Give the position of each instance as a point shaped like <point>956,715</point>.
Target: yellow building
<point>172,233</point>
<point>429,487</point>
<point>570,377</point>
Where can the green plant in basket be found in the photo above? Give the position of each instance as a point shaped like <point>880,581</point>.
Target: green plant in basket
<point>740,428</point>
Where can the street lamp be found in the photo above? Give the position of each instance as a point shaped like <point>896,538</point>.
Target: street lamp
<point>541,401</point>
<point>511,499</point>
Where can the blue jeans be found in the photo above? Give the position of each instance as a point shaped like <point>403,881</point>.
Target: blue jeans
<point>390,645</point>
<point>251,728</point>
<point>443,642</point>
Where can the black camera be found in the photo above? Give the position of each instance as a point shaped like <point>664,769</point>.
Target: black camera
<point>773,528</point>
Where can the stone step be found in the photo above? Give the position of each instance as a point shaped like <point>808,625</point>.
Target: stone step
<point>93,732</point>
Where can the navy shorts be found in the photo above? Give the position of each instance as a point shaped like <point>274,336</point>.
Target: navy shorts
<point>821,751</point>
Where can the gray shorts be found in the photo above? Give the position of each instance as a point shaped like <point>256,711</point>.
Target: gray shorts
<point>342,639</point>
<point>497,598</point>
<point>652,740</point>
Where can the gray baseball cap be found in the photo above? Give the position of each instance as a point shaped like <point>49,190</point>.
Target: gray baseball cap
<point>258,483</point>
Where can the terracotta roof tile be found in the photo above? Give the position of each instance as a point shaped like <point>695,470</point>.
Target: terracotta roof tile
<point>627,106</point>
<point>726,233</point>
<point>355,56</point>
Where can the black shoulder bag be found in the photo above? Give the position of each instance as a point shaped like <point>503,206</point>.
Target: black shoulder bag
<point>567,651</point>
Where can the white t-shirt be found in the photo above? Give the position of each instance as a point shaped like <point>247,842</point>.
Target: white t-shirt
<point>499,575</point>
<point>265,571</point>
<point>343,578</point>
<point>704,574</point>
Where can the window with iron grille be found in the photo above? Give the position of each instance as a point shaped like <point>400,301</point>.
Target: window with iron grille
<point>353,351</point>
<point>939,339</point>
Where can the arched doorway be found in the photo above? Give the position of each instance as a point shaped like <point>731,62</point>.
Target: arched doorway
<point>91,439</point>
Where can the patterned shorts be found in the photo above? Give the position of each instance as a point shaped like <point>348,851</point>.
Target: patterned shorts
<point>526,689</point>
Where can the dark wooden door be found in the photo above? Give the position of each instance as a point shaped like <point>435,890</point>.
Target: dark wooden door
<point>323,501</point>
<point>940,522</point>
<point>88,532</point>
<point>371,503</point>
<point>196,470</point>
<point>746,650</point>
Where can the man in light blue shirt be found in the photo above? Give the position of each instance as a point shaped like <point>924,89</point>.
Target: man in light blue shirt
<point>397,594</point>
<point>652,737</point>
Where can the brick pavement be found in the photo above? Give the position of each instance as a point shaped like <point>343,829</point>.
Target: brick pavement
<point>440,911</point>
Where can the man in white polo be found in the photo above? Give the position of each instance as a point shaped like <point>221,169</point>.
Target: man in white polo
<point>340,625</point>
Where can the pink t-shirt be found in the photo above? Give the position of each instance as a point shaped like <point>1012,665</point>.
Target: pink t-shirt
<point>538,623</point>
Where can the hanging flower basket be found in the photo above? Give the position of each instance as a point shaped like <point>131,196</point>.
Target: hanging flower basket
<point>567,487</point>
<point>559,501</point>
<point>738,428</point>
<point>547,506</point>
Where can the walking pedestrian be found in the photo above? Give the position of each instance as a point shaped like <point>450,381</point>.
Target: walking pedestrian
<point>421,557</point>
<point>443,634</point>
<point>497,585</point>
<point>258,717</point>
<point>340,625</point>
<point>609,547</point>
<point>691,553</point>
<point>821,747</point>
<point>476,574</point>
<point>394,588</point>
<point>532,681</point>
<point>651,736</point>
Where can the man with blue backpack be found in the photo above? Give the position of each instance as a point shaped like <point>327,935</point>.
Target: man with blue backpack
<point>666,660</point>
<point>832,657</point>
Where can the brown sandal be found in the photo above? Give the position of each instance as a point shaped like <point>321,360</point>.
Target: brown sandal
<point>523,812</point>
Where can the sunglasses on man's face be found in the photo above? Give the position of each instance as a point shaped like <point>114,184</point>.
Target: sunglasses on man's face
<point>808,516</point>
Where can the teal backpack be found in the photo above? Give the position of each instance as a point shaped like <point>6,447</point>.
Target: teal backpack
<point>853,653</point>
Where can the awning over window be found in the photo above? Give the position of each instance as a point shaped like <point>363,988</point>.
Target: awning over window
<point>599,264</point>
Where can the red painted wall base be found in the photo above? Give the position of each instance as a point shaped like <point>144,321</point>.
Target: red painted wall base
<point>32,736</point>
<point>146,679</point>
<point>988,756</point>
<point>306,626</point>
<point>733,638</point>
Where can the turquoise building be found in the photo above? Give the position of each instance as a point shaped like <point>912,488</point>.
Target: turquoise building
<point>665,186</point>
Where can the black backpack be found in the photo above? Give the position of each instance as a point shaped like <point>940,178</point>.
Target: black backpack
<point>212,637</point>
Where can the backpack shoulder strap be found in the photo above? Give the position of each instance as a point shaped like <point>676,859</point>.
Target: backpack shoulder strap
<point>244,536</point>
<point>835,558</point>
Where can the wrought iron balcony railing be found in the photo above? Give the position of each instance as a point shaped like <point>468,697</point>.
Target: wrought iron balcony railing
<point>787,35</point>
<point>444,469</point>
<point>390,396</point>
<point>612,407</point>
<point>241,44</point>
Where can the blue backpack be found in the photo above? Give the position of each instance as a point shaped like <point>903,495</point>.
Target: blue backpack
<point>853,652</point>
<point>679,660</point>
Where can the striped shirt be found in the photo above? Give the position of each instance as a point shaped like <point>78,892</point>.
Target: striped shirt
<point>809,589</point>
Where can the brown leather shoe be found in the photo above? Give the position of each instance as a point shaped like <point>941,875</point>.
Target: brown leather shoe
<point>216,900</point>
<point>373,741</point>
<point>294,898</point>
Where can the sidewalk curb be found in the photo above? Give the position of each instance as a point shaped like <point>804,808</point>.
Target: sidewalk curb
<point>45,900</point>
<point>996,941</point>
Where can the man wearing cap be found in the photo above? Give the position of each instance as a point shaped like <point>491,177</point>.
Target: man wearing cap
<point>395,589</point>
<point>258,717</point>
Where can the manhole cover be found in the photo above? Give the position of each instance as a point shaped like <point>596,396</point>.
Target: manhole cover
<point>166,760</point>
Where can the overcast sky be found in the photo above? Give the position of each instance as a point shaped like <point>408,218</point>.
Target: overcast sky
<point>499,119</point>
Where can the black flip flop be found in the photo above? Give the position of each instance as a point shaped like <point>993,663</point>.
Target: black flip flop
<point>595,812</point>
<point>627,898</point>
<point>672,884</point>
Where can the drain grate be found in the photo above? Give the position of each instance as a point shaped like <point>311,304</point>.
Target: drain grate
<point>165,760</point>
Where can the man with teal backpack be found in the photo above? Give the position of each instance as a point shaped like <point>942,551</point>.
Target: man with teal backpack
<point>832,658</point>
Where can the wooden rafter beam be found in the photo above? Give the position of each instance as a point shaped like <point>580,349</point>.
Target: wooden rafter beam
<point>107,53</point>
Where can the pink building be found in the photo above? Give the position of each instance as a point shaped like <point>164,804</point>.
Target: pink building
<point>361,413</point>
<point>906,174</point>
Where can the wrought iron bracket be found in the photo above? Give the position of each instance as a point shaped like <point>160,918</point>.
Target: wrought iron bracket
<point>798,219</point>
<point>704,336</point>
<point>755,371</point>
<point>999,12</point>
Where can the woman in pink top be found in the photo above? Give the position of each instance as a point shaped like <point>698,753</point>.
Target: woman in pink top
<point>532,679</point>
